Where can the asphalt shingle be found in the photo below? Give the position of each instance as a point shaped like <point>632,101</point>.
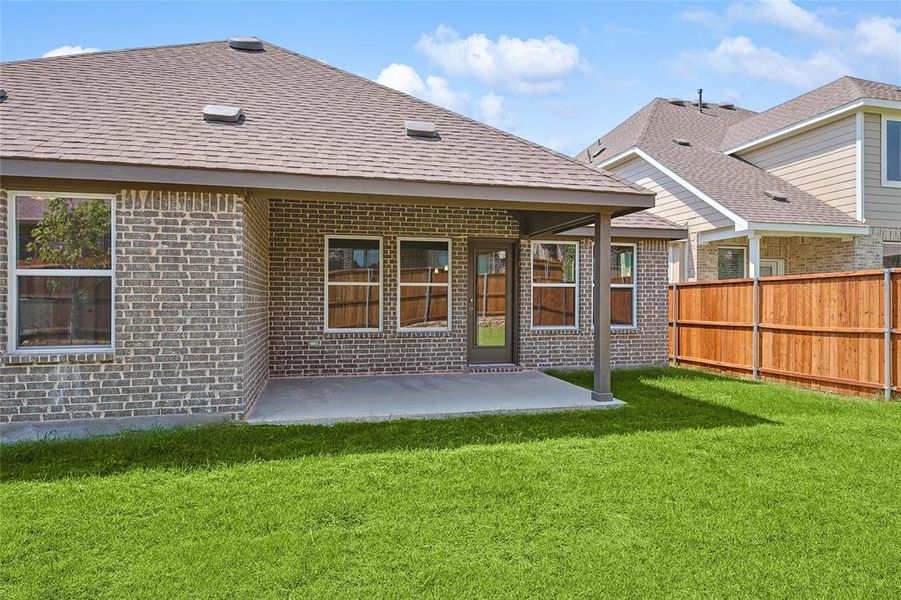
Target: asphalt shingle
<point>301,116</point>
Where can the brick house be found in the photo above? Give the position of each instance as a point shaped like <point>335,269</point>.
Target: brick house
<point>186,222</point>
<point>809,186</point>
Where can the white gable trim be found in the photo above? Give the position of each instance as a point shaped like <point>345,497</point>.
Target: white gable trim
<point>740,222</point>
<point>815,120</point>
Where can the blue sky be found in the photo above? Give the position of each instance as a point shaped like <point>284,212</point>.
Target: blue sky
<point>560,74</point>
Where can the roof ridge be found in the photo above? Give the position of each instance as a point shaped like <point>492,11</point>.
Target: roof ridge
<point>507,134</point>
<point>116,51</point>
<point>647,124</point>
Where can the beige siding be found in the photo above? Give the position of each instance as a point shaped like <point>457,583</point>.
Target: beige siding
<point>674,202</point>
<point>882,205</point>
<point>821,161</point>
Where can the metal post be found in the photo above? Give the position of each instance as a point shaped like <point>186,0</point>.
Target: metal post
<point>675,323</point>
<point>755,342</point>
<point>601,300</point>
<point>887,321</point>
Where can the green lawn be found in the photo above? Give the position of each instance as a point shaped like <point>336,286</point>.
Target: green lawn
<point>701,486</point>
<point>494,335</point>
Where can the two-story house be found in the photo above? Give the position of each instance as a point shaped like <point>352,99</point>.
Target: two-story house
<point>811,185</point>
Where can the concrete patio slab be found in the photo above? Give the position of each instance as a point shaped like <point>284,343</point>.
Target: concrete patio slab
<point>380,398</point>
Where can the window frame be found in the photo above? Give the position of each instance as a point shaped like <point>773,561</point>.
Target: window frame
<point>633,286</point>
<point>744,262</point>
<point>778,265</point>
<point>886,182</point>
<point>449,284</point>
<point>533,285</point>
<point>380,284</point>
<point>14,272</point>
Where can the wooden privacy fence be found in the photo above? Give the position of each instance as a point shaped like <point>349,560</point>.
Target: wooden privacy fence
<point>831,331</point>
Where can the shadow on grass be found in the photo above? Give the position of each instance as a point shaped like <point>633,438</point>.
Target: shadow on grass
<point>650,408</point>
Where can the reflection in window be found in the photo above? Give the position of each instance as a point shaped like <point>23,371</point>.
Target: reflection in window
<point>353,282</point>
<point>892,151</point>
<point>730,263</point>
<point>554,292</point>
<point>63,272</point>
<point>424,287</point>
<point>622,285</point>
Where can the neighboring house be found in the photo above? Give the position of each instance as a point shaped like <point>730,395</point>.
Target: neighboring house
<point>812,185</point>
<point>163,256</point>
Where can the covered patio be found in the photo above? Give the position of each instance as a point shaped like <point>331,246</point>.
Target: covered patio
<point>327,400</point>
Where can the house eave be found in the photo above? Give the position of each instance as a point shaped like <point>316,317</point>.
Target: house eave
<point>534,198</point>
<point>761,229</point>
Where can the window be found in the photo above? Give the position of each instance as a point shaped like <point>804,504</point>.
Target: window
<point>61,272</point>
<point>772,267</point>
<point>424,285</point>
<point>891,152</point>
<point>731,262</point>
<point>891,255</point>
<point>623,297</point>
<point>353,281</point>
<point>555,268</point>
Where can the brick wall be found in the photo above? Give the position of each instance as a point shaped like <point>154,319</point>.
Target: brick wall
<point>297,295</point>
<point>299,346</point>
<point>178,319</point>
<point>256,298</point>
<point>645,344</point>
<point>802,255</point>
<point>215,294</point>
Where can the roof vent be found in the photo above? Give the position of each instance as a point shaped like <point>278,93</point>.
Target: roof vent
<point>677,101</point>
<point>245,43</point>
<point>3,95</point>
<point>727,105</point>
<point>598,152</point>
<point>777,196</point>
<point>682,141</point>
<point>223,114</point>
<point>424,129</point>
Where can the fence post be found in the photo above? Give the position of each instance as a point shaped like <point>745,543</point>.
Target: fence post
<point>887,322</point>
<point>675,323</point>
<point>755,340</point>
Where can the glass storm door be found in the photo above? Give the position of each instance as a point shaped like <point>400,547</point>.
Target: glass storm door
<point>491,268</point>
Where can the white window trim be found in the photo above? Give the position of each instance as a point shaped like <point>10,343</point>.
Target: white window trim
<point>633,286</point>
<point>778,263</point>
<point>380,284</point>
<point>13,273</point>
<point>448,285</point>
<point>671,261</point>
<point>884,152</point>
<point>533,285</point>
<point>744,261</point>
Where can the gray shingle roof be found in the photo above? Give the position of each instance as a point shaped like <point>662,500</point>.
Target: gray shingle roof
<point>645,220</point>
<point>821,100</point>
<point>734,183</point>
<point>301,116</point>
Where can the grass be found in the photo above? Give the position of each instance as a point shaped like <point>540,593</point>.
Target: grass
<point>701,486</point>
<point>494,335</point>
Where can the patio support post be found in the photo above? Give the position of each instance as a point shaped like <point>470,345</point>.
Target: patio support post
<point>754,256</point>
<point>601,311</point>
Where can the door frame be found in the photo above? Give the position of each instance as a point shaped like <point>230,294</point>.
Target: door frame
<point>512,296</point>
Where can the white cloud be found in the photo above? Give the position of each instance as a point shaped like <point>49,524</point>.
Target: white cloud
<point>879,37</point>
<point>781,13</point>
<point>67,50</point>
<point>532,66</point>
<point>740,56</point>
<point>704,17</point>
<point>491,108</point>
<point>434,89</point>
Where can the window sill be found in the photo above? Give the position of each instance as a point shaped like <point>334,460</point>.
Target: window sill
<point>555,330</point>
<point>57,357</point>
<point>624,329</point>
<point>424,333</point>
